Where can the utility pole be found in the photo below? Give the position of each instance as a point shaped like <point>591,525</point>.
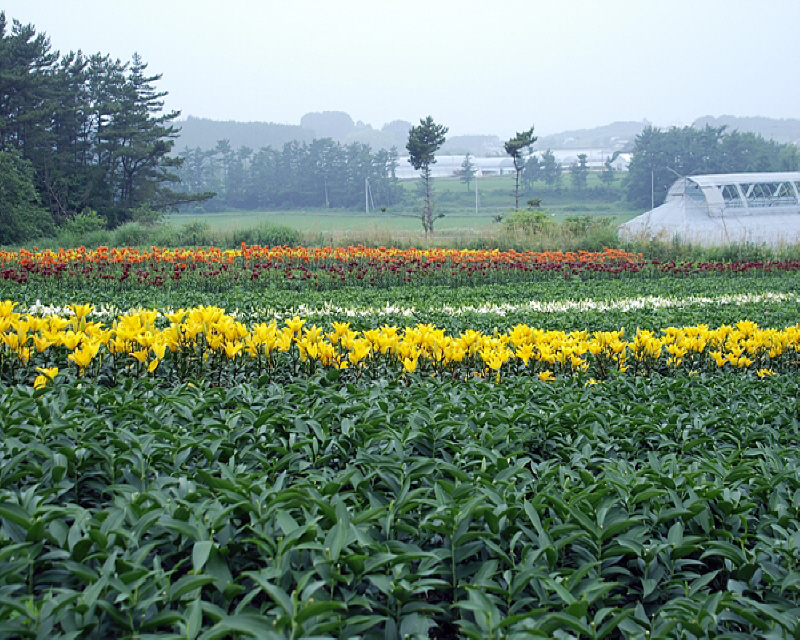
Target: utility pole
<point>477,199</point>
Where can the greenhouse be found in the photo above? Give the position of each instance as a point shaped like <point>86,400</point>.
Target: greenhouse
<point>721,209</point>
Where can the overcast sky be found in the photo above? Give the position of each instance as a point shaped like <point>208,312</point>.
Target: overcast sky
<point>478,67</point>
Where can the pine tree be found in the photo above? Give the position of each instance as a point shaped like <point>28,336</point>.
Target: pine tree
<point>467,170</point>
<point>515,147</point>
<point>423,143</point>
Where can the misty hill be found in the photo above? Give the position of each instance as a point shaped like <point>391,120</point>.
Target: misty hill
<point>781,130</point>
<point>204,133</point>
<point>617,135</point>
<point>476,145</point>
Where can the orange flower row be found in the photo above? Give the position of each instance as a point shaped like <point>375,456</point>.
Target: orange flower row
<point>130,255</point>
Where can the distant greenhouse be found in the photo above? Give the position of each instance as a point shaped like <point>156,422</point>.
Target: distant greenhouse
<point>449,165</point>
<point>733,208</point>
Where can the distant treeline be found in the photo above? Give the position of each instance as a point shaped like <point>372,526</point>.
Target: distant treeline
<point>339,126</point>
<point>204,133</point>
<point>780,130</point>
<point>322,173</point>
<point>661,157</point>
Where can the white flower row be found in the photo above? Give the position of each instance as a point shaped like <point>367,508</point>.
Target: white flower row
<point>538,306</point>
<point>624,305</point>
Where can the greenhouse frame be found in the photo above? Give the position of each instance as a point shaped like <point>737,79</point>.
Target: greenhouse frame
<point>723,209</point>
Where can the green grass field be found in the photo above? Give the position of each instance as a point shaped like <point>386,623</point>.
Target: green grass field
<point>496,195</point>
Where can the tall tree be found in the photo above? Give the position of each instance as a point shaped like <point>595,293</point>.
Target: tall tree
<point>515,148</point>
<point>551,169</point>
<point>92,128</point>
<point>659,155</point>
<point>578,172</point>
<point>224,151</point>
<point>607,174</point>
<point>531,172</point>
<point>21,216</point>
<point>423,143</point>
<point>467,170</point>
<point>145,138</point>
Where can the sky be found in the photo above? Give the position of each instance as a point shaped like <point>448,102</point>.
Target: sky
<point>478,67</point>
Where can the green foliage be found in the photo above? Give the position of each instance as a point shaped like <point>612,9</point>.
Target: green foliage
<point>515,148</point>
<point>531,221</point>
<point>659,155</point>
<point>578,172</point>
<point>91,127</point>
<point>578,226</point>
<point>21,216</point>
<point>607,174</point>
<point>551,169</point>
<point>132,234</point>
<point>195,234</point>
<point>324,173</point>
<point>467,170</point>
<point>267,235</point>
<point>423,142</point>
<point>531,173</point>
<point>455,508</point>
<point>85,222</point>
<point>145,215</point>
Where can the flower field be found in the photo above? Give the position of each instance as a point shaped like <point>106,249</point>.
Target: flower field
<point>331,268</point>
<point>291,443</point>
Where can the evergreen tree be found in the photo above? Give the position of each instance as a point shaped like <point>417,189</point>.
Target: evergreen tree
<point>423,143</point>
<point>579,172</point>
<point>551,169</point>
<point>92,129</point>
<point>21,217</point>
<point>467,170</point>
<point>515,148</point>
<point>531,172</point>
<point>607,174</point>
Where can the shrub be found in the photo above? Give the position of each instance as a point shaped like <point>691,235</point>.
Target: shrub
<point>530,221</point>
<point>21,216</point>
<point>196,233</point>
<point>144,214</point>
<point>132,234</point>
<point>84,223</point>
<point>266,234</point>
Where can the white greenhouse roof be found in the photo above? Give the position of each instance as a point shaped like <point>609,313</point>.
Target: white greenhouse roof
<point>742,208</point>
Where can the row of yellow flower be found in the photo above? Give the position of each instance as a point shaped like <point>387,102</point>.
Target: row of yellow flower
<point>207,336</point>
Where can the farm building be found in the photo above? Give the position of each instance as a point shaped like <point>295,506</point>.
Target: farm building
<point>732,208</point>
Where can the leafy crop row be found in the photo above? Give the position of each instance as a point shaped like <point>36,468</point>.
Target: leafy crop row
<point>171,470</point>
<point>665,506</point>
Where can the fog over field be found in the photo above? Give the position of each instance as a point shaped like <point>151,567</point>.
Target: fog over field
<point>476,67</point>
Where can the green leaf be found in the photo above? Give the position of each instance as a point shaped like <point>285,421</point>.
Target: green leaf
<point>318,608</point>
<point>286,522</point>
<point>187,583</point>
<point>252,625</point>
<point>415,626</point>
<point>16,514</point>
<point>555,621</point>
<point>700,583</point>
<point>194,619</point>
<point>280,597</point>
<point>200,553</point>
